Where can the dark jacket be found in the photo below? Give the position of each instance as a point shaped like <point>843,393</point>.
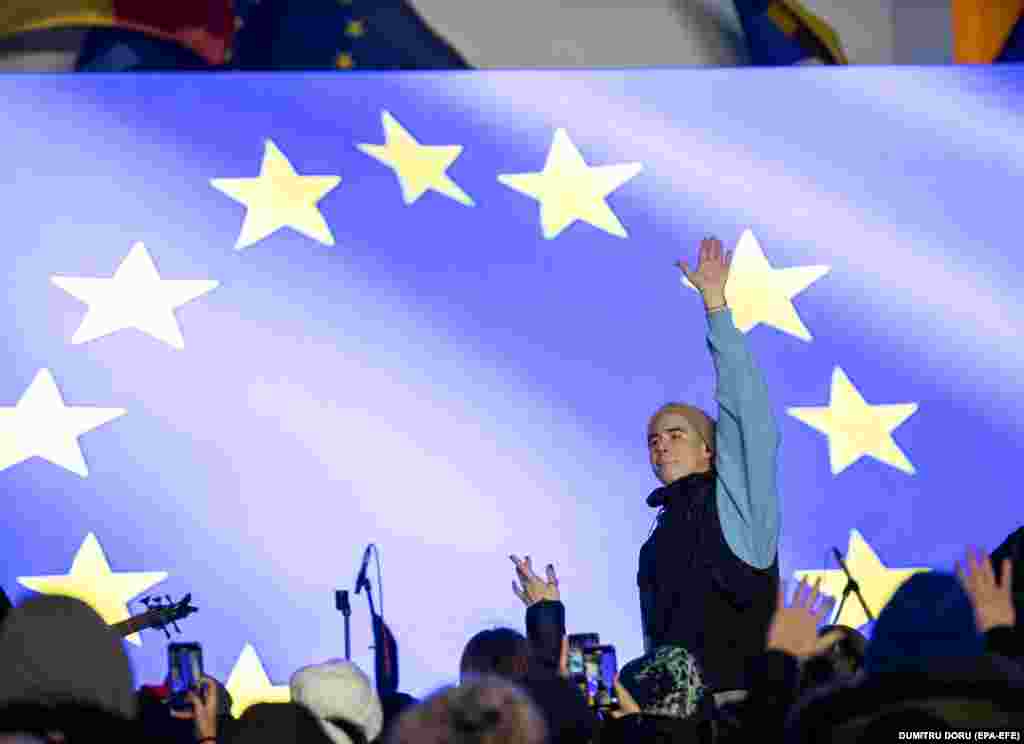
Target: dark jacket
<point>709,573</point>
<point>567,715</point>
<point>77,723</point>
<point>1006,641</point>
<point>960,692</point>
<point>647,729</point>
<point>925,653</point>
<point>955,689</point>
<point>696,593</point>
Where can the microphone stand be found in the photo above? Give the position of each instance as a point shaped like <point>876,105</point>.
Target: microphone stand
<point>851,586</point>
<point>378,638</point>
<point>341,603</point>
<point>369,598</point>
<point>384,655</point>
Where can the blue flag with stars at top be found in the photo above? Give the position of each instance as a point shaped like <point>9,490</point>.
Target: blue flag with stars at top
<point>328,34</point>
<point>432,313</point>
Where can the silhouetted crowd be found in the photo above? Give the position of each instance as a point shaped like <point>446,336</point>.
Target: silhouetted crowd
<point>945,653</point>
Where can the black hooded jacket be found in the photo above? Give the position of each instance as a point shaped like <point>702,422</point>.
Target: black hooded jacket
<point>696,593</point>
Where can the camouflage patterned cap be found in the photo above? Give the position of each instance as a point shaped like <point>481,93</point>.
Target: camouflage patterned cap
<point>665,682</point>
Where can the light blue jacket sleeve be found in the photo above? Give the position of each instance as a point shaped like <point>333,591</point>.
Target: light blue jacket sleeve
<point>747,443</point>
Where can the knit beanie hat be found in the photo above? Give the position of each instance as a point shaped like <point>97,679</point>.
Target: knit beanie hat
<point>666,682</point>
<point>339,689</point>
<point>929,616</point>
<point>56,650</point>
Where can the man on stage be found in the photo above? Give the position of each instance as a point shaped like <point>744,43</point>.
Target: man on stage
<point>708,574</point>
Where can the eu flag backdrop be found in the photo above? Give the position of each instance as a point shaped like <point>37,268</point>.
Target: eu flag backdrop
<point>255,322</point>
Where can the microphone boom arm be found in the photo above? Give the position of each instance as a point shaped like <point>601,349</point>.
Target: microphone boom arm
<point>851,586</point>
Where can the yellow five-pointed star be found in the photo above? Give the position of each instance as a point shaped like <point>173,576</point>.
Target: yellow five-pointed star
<point>92,581</point>
<point>856,428</point>
<point>40,425</point>
<point>418,167</point>
<point>758,293</point>
<point>277,198</point>
<point>249,684</point>
<point>569,190</point>
<point>135,297</point>
<point>877,583</point>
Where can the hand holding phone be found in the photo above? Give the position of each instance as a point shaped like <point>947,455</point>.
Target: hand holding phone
<point>627,705</point>
<point>202,710</point>
<point>193,695</point>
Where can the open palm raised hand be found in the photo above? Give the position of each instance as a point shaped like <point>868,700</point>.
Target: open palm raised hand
<point>712,270</point>
<point>794,627</point>
<point>992,599</point>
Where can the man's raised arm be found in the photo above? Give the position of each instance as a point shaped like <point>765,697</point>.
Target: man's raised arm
<point>746,434</point>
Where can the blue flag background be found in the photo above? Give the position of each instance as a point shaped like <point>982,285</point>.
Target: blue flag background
<point>439,378</point>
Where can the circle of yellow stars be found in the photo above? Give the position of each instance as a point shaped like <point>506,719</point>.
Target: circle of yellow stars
<point>136,297</point>
<point>567,190</point>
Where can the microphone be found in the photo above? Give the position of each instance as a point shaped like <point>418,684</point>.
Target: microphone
<point>361,579</point>
<point>341,603</point>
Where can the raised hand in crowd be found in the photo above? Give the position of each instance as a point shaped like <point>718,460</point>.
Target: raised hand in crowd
<point>992,598</point>
<point>794,628</point>
<point>203,712</point>
<point>531,587</point>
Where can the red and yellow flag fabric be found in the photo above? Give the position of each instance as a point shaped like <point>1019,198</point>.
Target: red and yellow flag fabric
<point>204,26</point>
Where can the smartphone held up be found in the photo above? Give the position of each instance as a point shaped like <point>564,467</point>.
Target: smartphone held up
<point>592,667</point>
<point>185,663</point>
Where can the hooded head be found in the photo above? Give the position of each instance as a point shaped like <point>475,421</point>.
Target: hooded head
<point>340,695</point>
<point>59,650</point>
<point>929,617</point>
